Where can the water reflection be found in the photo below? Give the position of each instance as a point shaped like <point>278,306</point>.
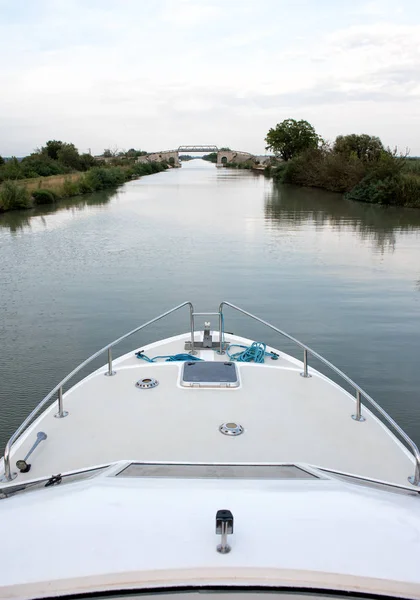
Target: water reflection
<point>16,220</point>
<point>286,204</point>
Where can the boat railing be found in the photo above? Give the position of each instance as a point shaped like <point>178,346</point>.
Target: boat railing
<point>58,390</point>
<point>359,392</point>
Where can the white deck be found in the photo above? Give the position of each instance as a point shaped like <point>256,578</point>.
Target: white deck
<point>113,533</point>
<point>287,418</point>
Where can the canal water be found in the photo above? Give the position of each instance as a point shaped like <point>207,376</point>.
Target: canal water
<point>343,277</point>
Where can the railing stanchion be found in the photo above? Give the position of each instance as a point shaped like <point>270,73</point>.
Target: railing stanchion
<point>221,350</point>
<point>192,327</point>
<point>358,416</point>
<point>305,364</point>
<point>415,479</point>
<point>110,372</point>
<point>61,412</point>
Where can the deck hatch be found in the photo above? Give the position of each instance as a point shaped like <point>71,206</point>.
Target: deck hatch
<point>212,471</point>
<point>209,374</point>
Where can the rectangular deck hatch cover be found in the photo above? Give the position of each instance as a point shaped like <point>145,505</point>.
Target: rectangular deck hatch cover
<point>204,373</point>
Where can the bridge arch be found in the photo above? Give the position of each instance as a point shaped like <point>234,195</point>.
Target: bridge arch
<point>172,156</point>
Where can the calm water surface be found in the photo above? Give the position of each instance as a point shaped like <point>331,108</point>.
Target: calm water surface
<point>343,277</point>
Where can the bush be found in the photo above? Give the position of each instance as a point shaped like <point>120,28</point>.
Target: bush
<point>84,186</point>
<point>12,169</point>
<point>40,165</point>
<point>377,191</point>
<point>141,169</point>
<point>277,171</point>
<point>70,188</point>
<point>398,190</point>
<point>13,196</point>
<point>324,169</point>
<point>44,197</point>
<point>412,165</point>
<point>100,178</point>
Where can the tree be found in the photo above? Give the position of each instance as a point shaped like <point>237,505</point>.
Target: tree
<point>365,147</point>
<point>51,148</point>
<point>290,137</point>
<point>87,161</point>
<point>133,153</point>
<point>1,161</point>
<point>68,155</point>
<point>110,152</point>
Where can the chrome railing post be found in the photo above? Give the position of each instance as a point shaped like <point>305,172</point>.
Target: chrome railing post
<point>192,328</point>
<point>61,412</point>
<point>110,372</point>
<point>8,475</point>
<point>415,479</point>
<point>221,349</point>
<point>358,416</point>
<point>305,364</point>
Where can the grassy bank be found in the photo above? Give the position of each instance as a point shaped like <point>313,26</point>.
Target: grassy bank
<point>26,193</point>
<point>387,180</point>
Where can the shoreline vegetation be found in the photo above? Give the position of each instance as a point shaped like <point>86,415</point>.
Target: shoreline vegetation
<point>356,165</point>
<point>58,171</point>
<point>390,181</point>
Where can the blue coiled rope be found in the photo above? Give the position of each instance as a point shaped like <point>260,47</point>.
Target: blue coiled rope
<point>256,352</point>
<point>168,358</point>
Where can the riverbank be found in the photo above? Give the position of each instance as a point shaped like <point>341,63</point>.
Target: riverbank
<point>389,180</point>
<point>27,193</point>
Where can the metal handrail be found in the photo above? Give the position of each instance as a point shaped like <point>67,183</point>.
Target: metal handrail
<point>59,388</point>
<point>360,393</point>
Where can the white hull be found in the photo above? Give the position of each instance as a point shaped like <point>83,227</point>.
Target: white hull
<point>320,500</point>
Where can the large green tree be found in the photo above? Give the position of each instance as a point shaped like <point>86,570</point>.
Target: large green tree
<point>290,137</point>
<point>51,148</point>
<point>366,147</point>
<point>69,156</point>
<point>1,160</point>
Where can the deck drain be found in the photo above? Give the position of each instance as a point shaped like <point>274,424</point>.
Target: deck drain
<point>231,429</point>
<point>147,383</point>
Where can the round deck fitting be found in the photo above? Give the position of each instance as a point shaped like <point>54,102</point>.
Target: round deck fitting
<point>231,429</point>
<point>147,383</point>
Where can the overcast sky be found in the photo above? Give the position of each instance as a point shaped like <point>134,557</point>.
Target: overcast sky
<point>156,74</point>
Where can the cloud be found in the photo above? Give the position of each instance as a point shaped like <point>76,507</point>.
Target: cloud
<point>377,8</point>
<point>189,13</point>
<point>157,74</point>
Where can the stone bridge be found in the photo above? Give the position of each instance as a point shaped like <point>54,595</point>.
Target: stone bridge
<point>172,156</point>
